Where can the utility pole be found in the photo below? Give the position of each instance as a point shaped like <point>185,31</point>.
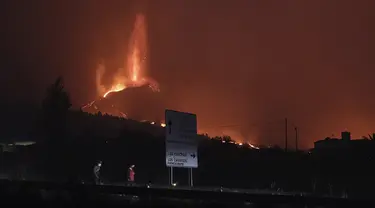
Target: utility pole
<point>286,134</point>
<point>296,129</point>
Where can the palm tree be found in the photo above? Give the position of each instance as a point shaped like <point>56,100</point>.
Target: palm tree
<point>370,137</point>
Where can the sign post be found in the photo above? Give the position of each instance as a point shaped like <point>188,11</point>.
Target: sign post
<point>191,177</point>
<point>181,142</point>
<point>171,176</point>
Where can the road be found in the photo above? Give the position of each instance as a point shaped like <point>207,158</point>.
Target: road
<point>214,189</point>
<point>178,192</point>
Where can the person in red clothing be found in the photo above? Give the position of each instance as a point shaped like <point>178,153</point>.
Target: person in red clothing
<point>131,174</point>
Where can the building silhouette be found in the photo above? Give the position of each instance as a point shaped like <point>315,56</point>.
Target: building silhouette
<point>343,144</point>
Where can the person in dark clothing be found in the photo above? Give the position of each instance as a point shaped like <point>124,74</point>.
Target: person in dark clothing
<point>131,174</point>
<point>97,172</point>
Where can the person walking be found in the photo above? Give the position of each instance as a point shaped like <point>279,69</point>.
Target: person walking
<point>131,174</point>
<point>97,172</point>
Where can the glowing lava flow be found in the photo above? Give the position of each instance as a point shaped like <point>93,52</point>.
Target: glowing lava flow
<point>116,88</point>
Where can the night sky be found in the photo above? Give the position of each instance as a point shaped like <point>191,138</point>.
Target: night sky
<point>232,62</point>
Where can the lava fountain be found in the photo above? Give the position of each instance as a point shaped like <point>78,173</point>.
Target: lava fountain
<point>133,72</point>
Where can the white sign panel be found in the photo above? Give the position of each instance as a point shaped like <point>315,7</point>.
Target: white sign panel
<point>181,139</point>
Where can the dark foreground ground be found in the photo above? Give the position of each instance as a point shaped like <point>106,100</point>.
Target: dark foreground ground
<point>37,194</point>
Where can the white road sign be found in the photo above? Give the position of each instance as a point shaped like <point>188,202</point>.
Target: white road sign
<point>181,139</point>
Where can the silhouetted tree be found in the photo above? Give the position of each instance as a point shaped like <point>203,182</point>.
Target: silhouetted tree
<point>227,138</point>
<point>55,108</point>
<point>370,137</point>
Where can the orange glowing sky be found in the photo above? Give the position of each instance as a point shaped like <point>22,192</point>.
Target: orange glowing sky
<point>244,64</point>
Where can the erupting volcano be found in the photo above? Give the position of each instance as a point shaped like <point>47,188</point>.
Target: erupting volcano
<point>131,75</point>
<point>131,94</point>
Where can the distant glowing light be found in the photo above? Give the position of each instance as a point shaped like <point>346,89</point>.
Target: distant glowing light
<point>252,146</point>
<point>163,125</point>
